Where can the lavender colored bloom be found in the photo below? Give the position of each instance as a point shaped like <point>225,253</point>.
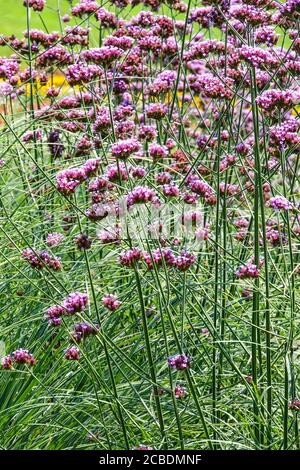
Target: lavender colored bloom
<point>37,5</point>
<point>98,211</point>
<point>138,172</point>
<point>250,13</point>
<point>156,111</point>
<point>65,18</point>
<point>278,99</point>
<point>55,145</point>
<point>280,203</point>
<point>111,302</point>
<point>54,239</point>
<point>122,42</point>
<point>6,89</point>
<point>247,271</point>
<point>54,314</point>
<point>91,166</point>
<point>180,362</point>
<point>294,404</point>
<point>266,35</point>
<point>171,190</point>
<point>39,259</point>
<point>180,392</point>
<point>80,73</point>
<point>110,235</point>
<point>141,194</point>
<point>83,242</point>
<point>207,85</point>
<point>9,67</point>
<point>72,354</point>
<point>125,148</point>
<point>199,187</point>
<point>290,7</point>
<point>163,83</point>
<point>185,260</point>
<point>116,172</point>
<point>82,330</point>
<point>285,134</point>
<point>147,133</point>
<point>54,55</point>
<point>23,356</point>
<point>75,302</point>
<point>68,180</point>
<point>106,18</point>
<point>157,151</point>
<point>256,56</point>
<point>103,55</point>
<point>103,121</point>
<point>130,257</point>
<point>32,135</point>
<point>7,362</point>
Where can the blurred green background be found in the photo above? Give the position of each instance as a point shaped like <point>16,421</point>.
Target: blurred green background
<point>13,16</point>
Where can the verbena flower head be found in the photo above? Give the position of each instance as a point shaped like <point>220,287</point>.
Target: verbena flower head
<point>54,239</point>
<point>180,392</point>
<point>54,314</point>
<point>278,99</point>
<point>111,302</point>
<point>125,148</point>
<point>75,302</point>
<point>83,242</point>
<point>7,362</point>
<point>84,7</point>
<point>83,330</point>
<point>130,257</point>
<point>141,194</point>
<point>23,356</point>
<point>36,5</point>
<point>247,271</point>
<point>280,203</point>
<point>103,55</point>
<point>68,180</point>
<point>72,353</point>
<point>180,362</point>
<point>39,259</point>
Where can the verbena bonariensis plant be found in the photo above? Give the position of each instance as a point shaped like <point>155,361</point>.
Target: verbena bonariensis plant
<point>150,226</point>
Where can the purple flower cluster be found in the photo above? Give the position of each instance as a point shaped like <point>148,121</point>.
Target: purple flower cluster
<point>125,148</point>
<point>103,55</point>
<point>80,73</point>
<point>180,362</point>
<point>158,257</point>
<point>54,239</point>
<point>72,353</point>
<point>83,330</point>
<point>20,356</point>
<point>68,180</point>
<point>247,271</point>
<point>141,194</point>
<point>279,203</point>
<point>74,303</point>
<point>37,5</point>
<point>111,302</point>
<point>278,99</point>
<point>180,392</point>
<point>39,259</point>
